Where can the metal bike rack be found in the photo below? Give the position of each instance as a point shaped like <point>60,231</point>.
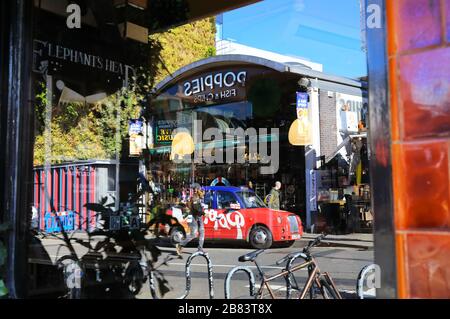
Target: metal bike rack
<point>230,275</point>
<point>151,280</point>
<point>288,268</point>
<point>363,278</point>
<point>188,274</point>
<point>188,277</point>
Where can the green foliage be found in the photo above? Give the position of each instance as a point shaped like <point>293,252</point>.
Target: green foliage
<point>3,256</point>
<point>184,45</point>
<point>81,132</point>
<point>41,102</point>
<point>210,51</point>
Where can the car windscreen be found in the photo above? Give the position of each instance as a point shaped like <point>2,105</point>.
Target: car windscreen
<point>251,200</point>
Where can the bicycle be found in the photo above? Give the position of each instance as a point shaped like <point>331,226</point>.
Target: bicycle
<point>316,280</point>
<point>119,260</point>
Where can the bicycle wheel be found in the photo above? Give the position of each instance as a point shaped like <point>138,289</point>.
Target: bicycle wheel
<point>134,278</point>
<point>327,290</point>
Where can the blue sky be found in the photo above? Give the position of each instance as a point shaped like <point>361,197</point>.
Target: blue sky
<point>323,31</point>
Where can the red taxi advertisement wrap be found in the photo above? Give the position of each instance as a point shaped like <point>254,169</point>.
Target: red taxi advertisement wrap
<point>233,213</point>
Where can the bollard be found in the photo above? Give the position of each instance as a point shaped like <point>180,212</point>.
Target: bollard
<point>232,272</point>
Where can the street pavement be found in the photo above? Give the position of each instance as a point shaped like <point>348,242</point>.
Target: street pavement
<point>342,256</point>
<point>343,264</point>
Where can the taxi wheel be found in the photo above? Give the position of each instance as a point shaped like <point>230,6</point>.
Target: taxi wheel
<point>260,238</point>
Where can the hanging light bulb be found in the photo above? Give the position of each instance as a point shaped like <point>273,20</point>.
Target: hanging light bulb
<point>299,133</point>
<point>182,145</point>
<point>300,130</point>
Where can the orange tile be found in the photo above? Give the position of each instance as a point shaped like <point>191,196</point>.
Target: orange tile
<point>417,23</point>
<point>421,186</point>
<point>394,95</point>
<point>425,93</point>
<point>399,190</point>
<point>402,279</point>
<point>428,257</point>
<point>392,8</point>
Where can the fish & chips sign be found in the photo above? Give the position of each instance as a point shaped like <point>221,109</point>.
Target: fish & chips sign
<point>216,86</point>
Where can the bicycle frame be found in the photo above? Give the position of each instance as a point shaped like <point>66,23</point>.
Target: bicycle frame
<point>265,281</point>
<point>313,278</point>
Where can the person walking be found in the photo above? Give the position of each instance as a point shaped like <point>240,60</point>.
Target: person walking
<point>274,200</point>
<point>195,208</point>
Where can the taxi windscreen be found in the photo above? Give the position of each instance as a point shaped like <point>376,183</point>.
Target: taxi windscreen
<point>251,200</point>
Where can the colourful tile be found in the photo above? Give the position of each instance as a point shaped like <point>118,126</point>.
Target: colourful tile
<point>447,15</point>
<point>425,93</point>
<point>421,186</point>
<point>428,262</point>
<point>399,191</point>
<point>418,23</point>
<point>392,26</point>
<point>393,83</point>
<point>402,263</point>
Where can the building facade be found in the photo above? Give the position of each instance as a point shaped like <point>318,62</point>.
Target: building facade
<point>231,92</point>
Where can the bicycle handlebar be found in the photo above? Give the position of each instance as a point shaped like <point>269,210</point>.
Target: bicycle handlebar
<point>314,243</point>
<point>306,250</point>
<point>281,261</point>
